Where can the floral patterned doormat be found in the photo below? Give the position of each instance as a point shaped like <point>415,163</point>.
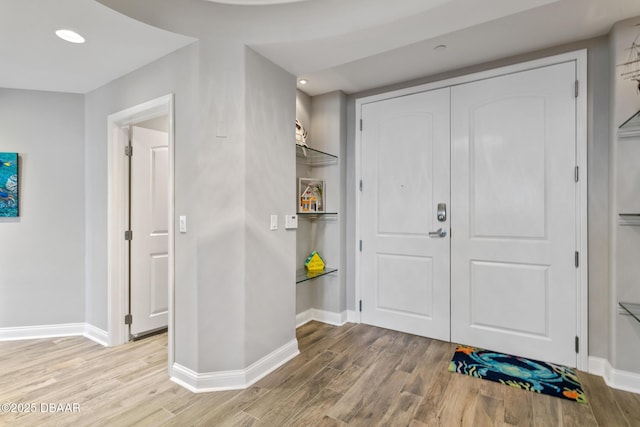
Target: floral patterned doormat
<point>526,374</point>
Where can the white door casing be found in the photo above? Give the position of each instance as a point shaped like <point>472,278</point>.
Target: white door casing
<point>118,215</point>
<point>513,286</point>
<point>150,226</point>
<point>579,318</point>
<point>405,173</point>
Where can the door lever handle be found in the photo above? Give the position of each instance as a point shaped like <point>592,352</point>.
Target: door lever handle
<point>440,233</point>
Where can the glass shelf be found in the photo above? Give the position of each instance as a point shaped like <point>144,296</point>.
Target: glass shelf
<point>302,275</point>
<point>629,218</point>
<point>630,128</point>
<point>313,157</point>
<point>317,215</point>
<point>631,308</point>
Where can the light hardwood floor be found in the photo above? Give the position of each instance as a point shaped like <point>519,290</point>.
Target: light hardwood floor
<point>350,375</point>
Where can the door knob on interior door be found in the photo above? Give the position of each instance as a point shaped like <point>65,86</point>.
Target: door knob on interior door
<point>440,233</point>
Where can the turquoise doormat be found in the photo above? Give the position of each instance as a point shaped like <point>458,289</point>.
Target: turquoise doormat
<point>519,372</point>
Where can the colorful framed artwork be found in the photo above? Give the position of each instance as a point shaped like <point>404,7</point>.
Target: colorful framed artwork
<point>9,185</point>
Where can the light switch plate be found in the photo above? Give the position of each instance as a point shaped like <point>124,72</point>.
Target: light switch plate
<point>183,224</point>
<point>291,222</point>
<point>274,222</point>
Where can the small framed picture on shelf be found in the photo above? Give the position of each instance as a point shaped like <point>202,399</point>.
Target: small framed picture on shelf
<point>311,195</point>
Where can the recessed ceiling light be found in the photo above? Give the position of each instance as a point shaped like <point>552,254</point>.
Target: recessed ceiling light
<point>440,47</point>
<point>70,36</point>
<point>303,81</point>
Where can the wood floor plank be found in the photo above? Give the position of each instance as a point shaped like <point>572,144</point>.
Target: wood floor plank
<point>602,401</point>
<point>289,385</point>
<point>374,410</point>
<point>287,408</point>
<point>402,410</point>
<point>546,411</point>
<point>518,407</point>
<point>345,375</point>
<point>364,388</point>
<point>316,409</point>
<point>459,402</point>
<point>629,404</point>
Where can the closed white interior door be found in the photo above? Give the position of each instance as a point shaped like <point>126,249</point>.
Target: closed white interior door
<point>150,226</point>
<point>405,173</point>
<point>513,154</point>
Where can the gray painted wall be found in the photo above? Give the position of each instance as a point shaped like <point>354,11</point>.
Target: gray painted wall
<point>328,127</point>
<point>228,314</point>
<point>175,73</point>
<point>306,292</point>
<point>625,197</point>
<point>270,178</point>
<point>42,253</point>
<point>324,117</point>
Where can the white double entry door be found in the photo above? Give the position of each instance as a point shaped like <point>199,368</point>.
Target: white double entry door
<point>468,213</point>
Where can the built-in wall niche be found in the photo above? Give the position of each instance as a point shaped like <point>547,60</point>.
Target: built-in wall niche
<point>628,174</point>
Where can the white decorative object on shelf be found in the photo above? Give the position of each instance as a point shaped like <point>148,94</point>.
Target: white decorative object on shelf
<point>301,134</point>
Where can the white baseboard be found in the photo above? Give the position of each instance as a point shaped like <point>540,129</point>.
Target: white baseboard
<point>41,331</point>
<point>54,331</point>
<point>96,334</point>
<point>237,379</point>
<point>615,378</point>
<point>330,317</point>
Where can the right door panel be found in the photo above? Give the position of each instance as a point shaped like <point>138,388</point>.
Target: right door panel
<point>513,204</point>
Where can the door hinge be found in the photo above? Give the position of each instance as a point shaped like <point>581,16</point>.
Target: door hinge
<point>577,259</point>
<point>128,235</point>
<point>577,172</point>
<point>360,245</point>
<point>360,306</point>
<point>128,150</point>
<point>577,345</point>
<point>577,88</point>
<point>360,185</point>
<point>360,125</point>
<point>128,319</point>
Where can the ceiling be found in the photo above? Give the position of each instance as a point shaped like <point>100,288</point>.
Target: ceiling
<point>349,45</point>
<point>32,57</point>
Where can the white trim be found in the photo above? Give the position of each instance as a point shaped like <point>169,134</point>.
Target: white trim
<point>54,331</point>
<point>96,334</point>
<point>41,331</point>
<point>597,365</point>
<point>330,317</point>
<point>582,209</point>
<point>117,274</point>
<point>237,379</point>
<point>580,59</point>
<point>304,317</point>
<point>615,378</point>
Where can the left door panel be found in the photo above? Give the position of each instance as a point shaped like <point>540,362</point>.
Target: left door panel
<point>150,226</point>
<point>405,172</point>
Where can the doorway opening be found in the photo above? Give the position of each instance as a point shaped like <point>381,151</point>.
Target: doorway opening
<point>154,118</point>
